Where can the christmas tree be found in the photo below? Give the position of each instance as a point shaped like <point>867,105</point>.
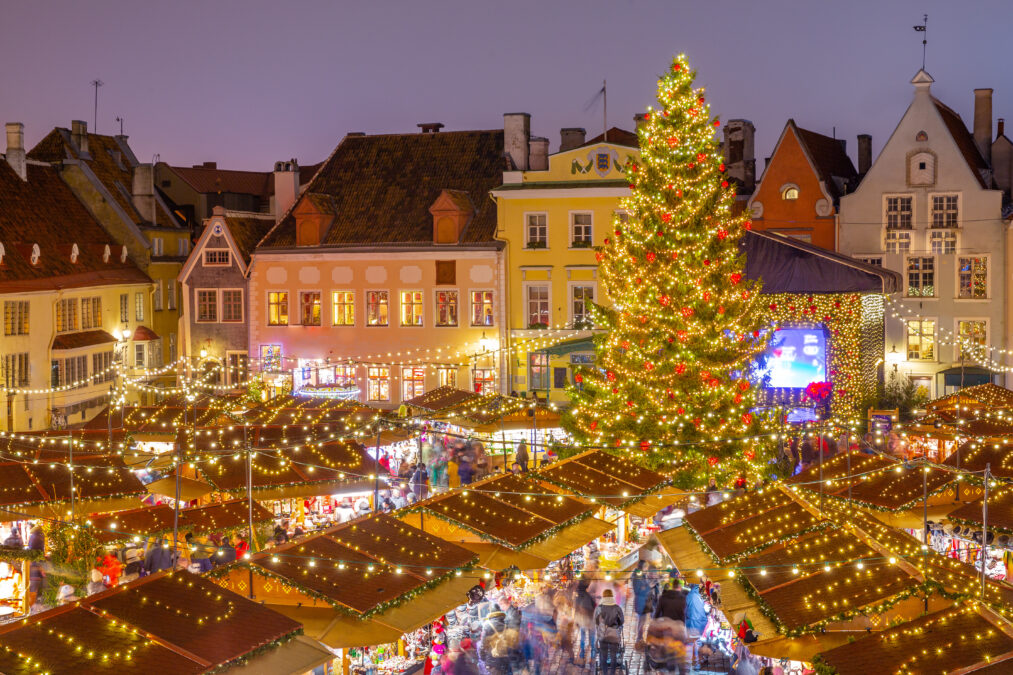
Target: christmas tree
<point>671,369</point>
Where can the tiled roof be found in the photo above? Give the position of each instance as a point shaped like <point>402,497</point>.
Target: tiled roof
<point>616,136</point>
<point>829,157</point>
<point>247,230</point>
<point>43,210</point>
<point>207,180</point>
<point>964,140</point>
<point>111,165</point>
<point>380,187</point>
<point>86,338</point>
<point>143,334</point>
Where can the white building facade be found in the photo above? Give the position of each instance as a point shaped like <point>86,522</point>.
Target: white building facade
<point>927,209</point>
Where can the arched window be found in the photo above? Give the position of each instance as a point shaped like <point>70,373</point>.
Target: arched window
<point>789,192</point>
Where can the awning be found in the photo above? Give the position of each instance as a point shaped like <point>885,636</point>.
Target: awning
<point>88,338</point>
<point>569,539</point>
<point>801,648</point>
<point>968,376</point>
<point>583,344</point>
<point>651,504</point>
<point>336,630</point>
<point>296,657</point>
<point>498,558</point>
<point>189,489</point>
<point>428,606</point>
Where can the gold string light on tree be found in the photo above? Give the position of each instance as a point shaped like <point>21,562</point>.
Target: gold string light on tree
<point>686,324</point>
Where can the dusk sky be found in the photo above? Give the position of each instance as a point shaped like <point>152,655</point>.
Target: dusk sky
<point>247,82</point>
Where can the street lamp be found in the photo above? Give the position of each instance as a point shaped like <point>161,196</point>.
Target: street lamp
<point>894,358</point>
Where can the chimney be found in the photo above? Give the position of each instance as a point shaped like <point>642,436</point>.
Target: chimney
<point>1000,128</point>
<point>983,123</point>
<point>570,138</point>
<point>430,127</point>
<point>538,153</point>
<point>79,135</point>
<point>206,165</point>
<point>517,138</point>
<point>16,149</point>
<point>286,186</point>
<point>144,192</point>
<point>864,154</point>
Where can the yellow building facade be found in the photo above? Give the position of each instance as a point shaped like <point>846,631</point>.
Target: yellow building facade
<point>552,217</point>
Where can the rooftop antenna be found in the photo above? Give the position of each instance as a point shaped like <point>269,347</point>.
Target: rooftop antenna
<point>604,112</point>
<point>120,120</point>
<point>923,29</point>
<point>96,83</point>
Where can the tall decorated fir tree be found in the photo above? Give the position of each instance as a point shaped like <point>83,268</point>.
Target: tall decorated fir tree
<point>670,373</point>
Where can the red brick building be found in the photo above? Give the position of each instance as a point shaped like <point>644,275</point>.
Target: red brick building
<point>799,192</point>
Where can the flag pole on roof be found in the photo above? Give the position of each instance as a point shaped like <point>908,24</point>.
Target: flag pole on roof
<point>923,29</point>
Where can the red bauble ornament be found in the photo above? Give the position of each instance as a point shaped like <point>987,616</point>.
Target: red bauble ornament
<point>671,395</point>
<point>722,234</point>
<point>747,418</point>
<point>639,281</point>
<point>713,461</point>
<point>682,335</point>
<point>756,333</point>
<point>737,398</point>
<point>700,99</point>
<point>619,232</point>
<point>578,378</point>
<point>647,116</point>
<point>643,319</point>
<point>721,167</point>
<point>598,255</point>
<point>724,183</point>
<point>610,376</point>
<point>773,306</point>
<point>607,241</point>
<point>721,310</point>
<point>680,410</point>
<point>672,141</point>
<point>706,261</point>
<point>671,339</point>
<point>743,385</point>
<point>680,368</point>
<point>690,165</point>
<point>687,312</point>
<point>648,365</point>
<point>664,300</point>
<point>645,445</point>
<point>615,390</point>
<point>714,382</point>
<point>675,255</point>
<point>678,193</point>
<point>735,277</point>
<point>650,256</point>
<point>706,296</point>
<point>717,123</point>
<point>666,217</point>
<point>625,344</point>
<point>749,454</point>
<point>701,157</point>
<point>632,186</point>
<point>593,425</point>
<point>629,404</point>
<point>676,68</point>
<point>748,224</point>
<point>661,233</point>
<point>697,421</point>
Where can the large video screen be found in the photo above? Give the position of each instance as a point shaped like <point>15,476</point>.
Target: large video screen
<point>795,357</point>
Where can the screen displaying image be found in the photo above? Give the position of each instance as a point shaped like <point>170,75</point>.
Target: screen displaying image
<point>795,357</point>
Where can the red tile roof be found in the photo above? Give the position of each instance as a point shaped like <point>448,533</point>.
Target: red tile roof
<point>86,338</point>
<point>964,140</point>
<point>247,230</point>
<point>207,180</point>
<point>380,187</point>
<point>616,136</point>
<point>829,157</point>
<point>43,210</point>
<point>143,334</point>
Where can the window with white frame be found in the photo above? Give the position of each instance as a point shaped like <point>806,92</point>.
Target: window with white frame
<point>102,367</point>
<point>232,304</point>
<point>216,257</point>
<point>16,369</point>
<point>170,293</point>
<point>413,382</point>
<point>943,241</point>
<point>377,306</point>
<point>140,351</point>
<point>581,298</point>
<point>270,358</point>
<point>344,376</point>
<point>538,306</point>
<point>537,230</point>
<point>446,308</point>
<point>157,246</point>
<point>877,261</point>
<point>484,380</point>
<point>124,307</point>
<point>447,376</point>
<point>580,230</point>
<point>91,313</point>
<point>921,277</point>
<point>378,383</point>
<point>481,308</point>
<point>790,193</point>
<point>156,300</point>
<point>971,336</point>
<point>411,308</point>
<point>139,306</point>
<point>207,305</point>
<point>538,371</point>
<point>277,308</point>
<point>16,313</point>
<point>66,315</point>
<point>182,247</point>
<point>972,278</point>
<point>921,340</point>
<point>309,308</point>
<point>899,212</point>
<point>343,308</point>
<point>945,211</point>
<point>898,241</point>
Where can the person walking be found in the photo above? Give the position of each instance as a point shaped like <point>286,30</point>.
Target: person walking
<point>696,617</point>
<point>418,481</point>
<point>465,468</point>
<point>672,603</point>
<point>643,602</point>
<point>608,623</point>
<point>521,456</point>
<point>583,619</point>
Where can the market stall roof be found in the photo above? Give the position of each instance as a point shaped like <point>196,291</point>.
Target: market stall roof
<point>965,638</point>
<point>158,519</point>
<point>189,489</point>
<point>470,409</point>
<point>613,480</point>
<point>173,622</point>
<point>376,570</point>
<point>880,482</point>
<point>298,656</point>
<point>975,456</point>
<point>1000,511</point>
<point>976,399</point>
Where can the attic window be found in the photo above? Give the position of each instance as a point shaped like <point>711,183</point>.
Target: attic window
<point>123,254</point>
<point>3,252</point>
<point>74,253</point>
<point>921,137</point>
<point>789,192</point>
<point>106,253</point>
<point>35,254</point>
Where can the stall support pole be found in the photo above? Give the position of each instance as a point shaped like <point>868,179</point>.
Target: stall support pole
<point>849,477</point>
<point>376,473</point>
<point>249,495</point>
<point>925,515</point>
<point>984,530</point>
<point>819,444</point>
<point>71,457</point>
<point>175,506</point>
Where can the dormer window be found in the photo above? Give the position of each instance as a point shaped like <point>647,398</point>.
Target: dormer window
<point>106,254</point>
<point>36,253</point>
<point>452,211</point>
<point>123,254</point>
<point>789,192</point>
<point>74,253</point>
